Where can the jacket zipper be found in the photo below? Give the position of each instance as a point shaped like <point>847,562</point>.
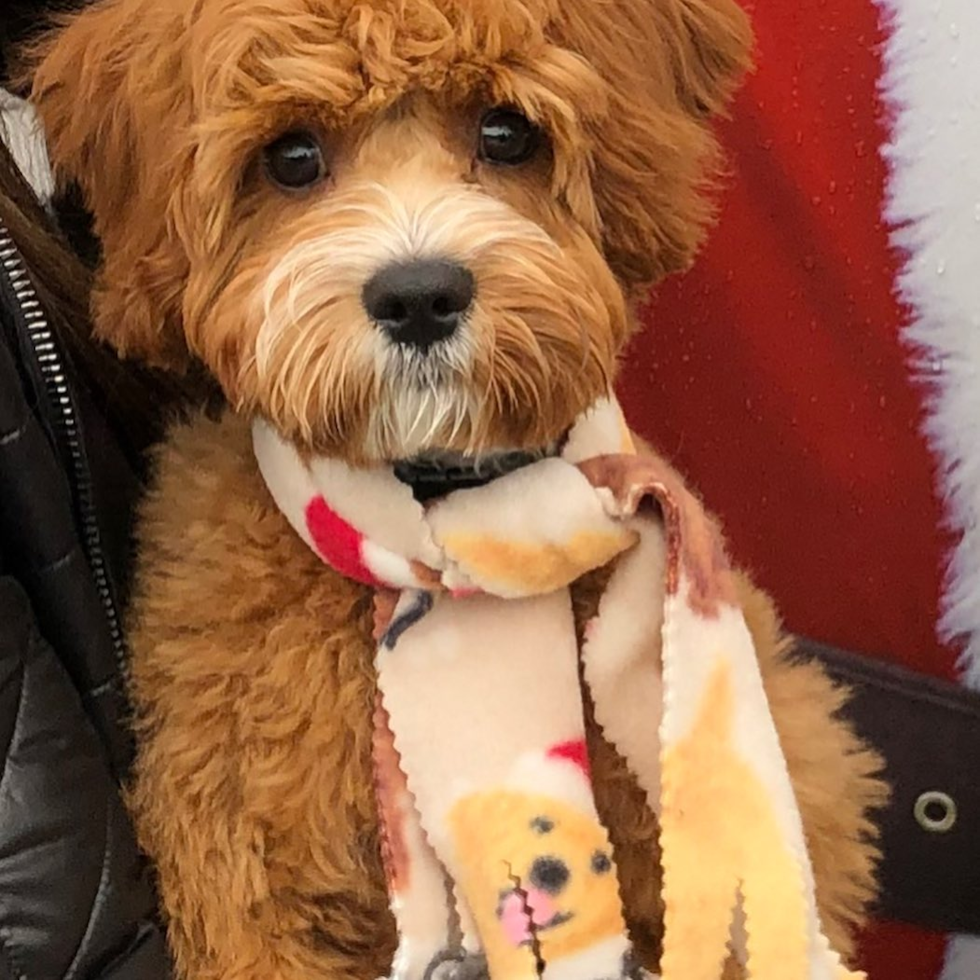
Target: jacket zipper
<point>51,363</point>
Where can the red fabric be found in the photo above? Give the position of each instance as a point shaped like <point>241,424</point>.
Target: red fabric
<point>774,377</point>
<point>337,542</point>
<point>897,952</point>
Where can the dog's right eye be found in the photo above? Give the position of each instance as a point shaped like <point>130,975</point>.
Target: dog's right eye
<point>295,161</point>
<point>508,137</point>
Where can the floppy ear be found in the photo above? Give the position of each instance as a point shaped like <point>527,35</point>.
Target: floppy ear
<point>709,45</point>
<point>108,86</point>
<point>670,66</point>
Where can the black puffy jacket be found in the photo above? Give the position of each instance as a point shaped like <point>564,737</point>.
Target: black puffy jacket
<point>76,901</point>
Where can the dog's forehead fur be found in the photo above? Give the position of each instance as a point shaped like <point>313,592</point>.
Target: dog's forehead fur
<point>389,37</point>
<point>348,62</point>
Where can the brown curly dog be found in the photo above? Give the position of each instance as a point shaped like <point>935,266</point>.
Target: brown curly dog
<point>253,165</point>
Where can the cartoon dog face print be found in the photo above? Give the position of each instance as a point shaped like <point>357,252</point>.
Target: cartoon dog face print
<point>539,876</point>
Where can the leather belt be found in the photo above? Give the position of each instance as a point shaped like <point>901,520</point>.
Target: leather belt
<point>928,732</point>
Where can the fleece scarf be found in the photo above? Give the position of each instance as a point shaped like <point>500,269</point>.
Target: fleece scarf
<point>494,850</point>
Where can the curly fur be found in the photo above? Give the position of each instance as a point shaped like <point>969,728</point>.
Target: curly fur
<point>256,691</point>
<point>251,661</point>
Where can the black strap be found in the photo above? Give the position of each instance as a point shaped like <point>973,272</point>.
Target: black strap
<point>929,734</point>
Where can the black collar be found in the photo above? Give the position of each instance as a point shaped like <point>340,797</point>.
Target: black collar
<point>435,475</point>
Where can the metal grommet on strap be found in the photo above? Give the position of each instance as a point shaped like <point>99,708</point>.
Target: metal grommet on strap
<point>935,812</point>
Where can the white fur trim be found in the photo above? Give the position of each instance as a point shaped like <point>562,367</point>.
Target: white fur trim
<point>932,83</point>
<point>934,205</point>
<point>21,130</point>
<point>962,958</point>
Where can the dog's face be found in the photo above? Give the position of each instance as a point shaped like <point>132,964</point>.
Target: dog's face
<point>395,226</point>
<point>535,870</point>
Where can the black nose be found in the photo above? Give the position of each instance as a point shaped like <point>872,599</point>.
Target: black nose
<point>419,303</point>
<point>549,874</point>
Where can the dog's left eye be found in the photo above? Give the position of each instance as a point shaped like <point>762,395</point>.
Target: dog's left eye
<point>295,161</point>
<point>508,137</point>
